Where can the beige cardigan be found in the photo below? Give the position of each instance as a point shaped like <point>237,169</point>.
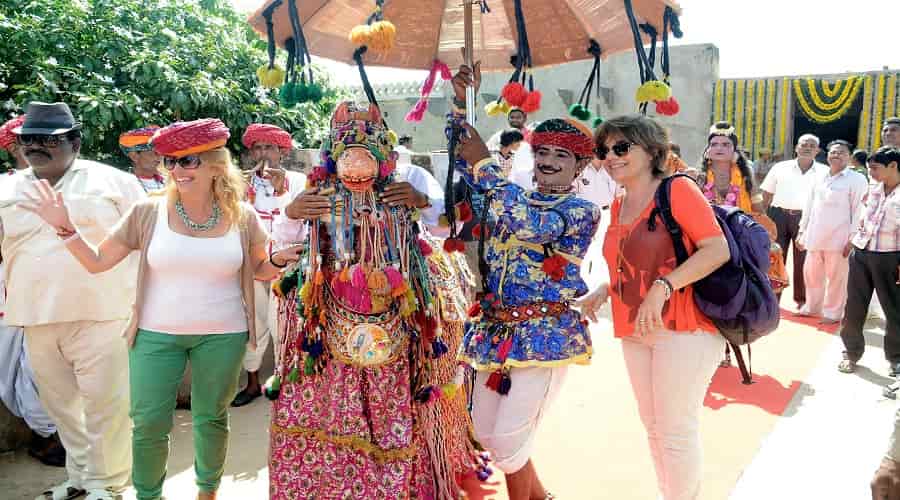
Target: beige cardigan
<point>135,231</point>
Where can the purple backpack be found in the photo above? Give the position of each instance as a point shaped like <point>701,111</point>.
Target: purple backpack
<point>737,296</point>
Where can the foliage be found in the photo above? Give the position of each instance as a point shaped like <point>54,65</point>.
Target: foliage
<point>123,64</point>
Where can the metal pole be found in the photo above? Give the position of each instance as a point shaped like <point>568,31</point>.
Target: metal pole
<point>468,56</point>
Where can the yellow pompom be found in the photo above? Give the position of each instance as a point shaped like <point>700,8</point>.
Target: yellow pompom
<point>270,78</point>
<point>276,288</point>
<point>449,390</point>
<point>382,36</point>
<point>653,90</point>
<point>493,109</point>
<point>443,221</point>
<point>505,108</point>
<point>360,35</point>
<point>392,137</point>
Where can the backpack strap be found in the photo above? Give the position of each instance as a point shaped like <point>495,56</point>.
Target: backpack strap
<point>746,369</point>
<point>663,199</point>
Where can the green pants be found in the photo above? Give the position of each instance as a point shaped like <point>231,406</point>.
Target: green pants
<point>157,362</point>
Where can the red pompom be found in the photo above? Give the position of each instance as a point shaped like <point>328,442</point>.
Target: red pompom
<point>669,107</point>
<point>503,350</point>
<point>514,93</point>
<point>493,381</point>
<point>463,212</point>
<point>424,247</point>
<point>474,310</point>
<point>532,102</point>
<point>555,267</point>
<point>454,245</point>
<point>476,231</point>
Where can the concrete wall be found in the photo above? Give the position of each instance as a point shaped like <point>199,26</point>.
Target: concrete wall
<point>695,68</point>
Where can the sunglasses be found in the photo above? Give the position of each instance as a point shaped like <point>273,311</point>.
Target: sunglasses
<point>188,162</point>
<point>620,149</point>
<point>45,140</point>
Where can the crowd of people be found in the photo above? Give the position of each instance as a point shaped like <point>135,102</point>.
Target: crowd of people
<point>390,342</point>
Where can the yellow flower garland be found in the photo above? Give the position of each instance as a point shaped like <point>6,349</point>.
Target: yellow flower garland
<point>717,103</point>
<point>739,109</point>
<point>892,96</point>
<point>770,114</point>
<point>760,116</point>
<point>879,109</point>
<point>863,139</point>
<point>827,112</point>
<point>782,127</point>
<point>729,98</point>
<point>749,114</point>
<point>852,86</point>
<point>830,91</point>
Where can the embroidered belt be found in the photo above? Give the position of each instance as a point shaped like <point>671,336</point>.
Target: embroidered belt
<point>526,312</point>
<point>364,340</point>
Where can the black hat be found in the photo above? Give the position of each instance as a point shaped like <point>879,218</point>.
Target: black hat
<point>47,119</point>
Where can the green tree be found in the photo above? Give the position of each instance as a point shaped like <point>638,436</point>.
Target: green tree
<point>123,64</point>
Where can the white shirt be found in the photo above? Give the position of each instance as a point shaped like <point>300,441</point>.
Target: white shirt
<point>422,181</point>
<point>788,184</point>
<point>596,186</point>
<point>405,154</point>
<point>193,284</point>
<point>270,207</point>
<point>46,284</point>
<point>833,211</point>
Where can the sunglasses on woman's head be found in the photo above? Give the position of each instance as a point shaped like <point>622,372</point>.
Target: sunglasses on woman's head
<point>186,162</point>
<point>45,140</point>
<point>620,149</point>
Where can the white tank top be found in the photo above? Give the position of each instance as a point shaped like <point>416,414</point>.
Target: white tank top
<point>193,285</point>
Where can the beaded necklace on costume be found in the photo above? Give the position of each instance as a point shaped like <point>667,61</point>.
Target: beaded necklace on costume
<point>194,226</point>
<point>736,196</point>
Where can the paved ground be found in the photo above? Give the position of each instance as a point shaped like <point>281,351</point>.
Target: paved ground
<point>803,431</point>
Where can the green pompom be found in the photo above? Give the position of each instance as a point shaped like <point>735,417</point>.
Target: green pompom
<point>288,95</point>
<point>597,121</point>
<point>272,387</point>
<point>314,92</point>
<point>580,112</point>
<point>309,366</point>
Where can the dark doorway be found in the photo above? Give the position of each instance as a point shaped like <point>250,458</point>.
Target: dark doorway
<point>845,127</point>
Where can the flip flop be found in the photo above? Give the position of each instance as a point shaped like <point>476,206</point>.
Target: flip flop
<point>64,491</point>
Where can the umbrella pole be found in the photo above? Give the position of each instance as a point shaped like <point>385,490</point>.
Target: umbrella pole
<point>468,55</point>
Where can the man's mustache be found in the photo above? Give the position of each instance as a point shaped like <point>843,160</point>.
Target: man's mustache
<point>37,151</point>
<point>551,168</point>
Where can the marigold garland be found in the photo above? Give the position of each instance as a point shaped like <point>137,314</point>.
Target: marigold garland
<point>749,114</point>
<point>760,107</point>
<point>879,113</point>
<point>729,100</point>
<point>739,108</point>
<point>830,91</point>
<point>717,102</point>
<point>892,96</point>
<point>863,139</point>
<point>782,127</point>
<point>822,112</point>
<point>852,86</point>
<point>771,95</point>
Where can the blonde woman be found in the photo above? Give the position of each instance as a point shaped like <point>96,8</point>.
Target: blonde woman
<point>201,248</point>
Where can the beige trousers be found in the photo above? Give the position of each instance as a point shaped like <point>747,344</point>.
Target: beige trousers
<point>266,316</point>
<point>825,275</point>
<point>507,425</point>
<point>81,370</point>
<point>669,375</point>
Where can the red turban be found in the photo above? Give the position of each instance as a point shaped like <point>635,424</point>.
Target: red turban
<point>137,140</point>
<point>187,138</point>
<point>7,138</point>
<point>269,134</point>
<point>566,134</point>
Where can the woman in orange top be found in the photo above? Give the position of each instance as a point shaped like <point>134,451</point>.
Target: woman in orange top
<point>671,349</point>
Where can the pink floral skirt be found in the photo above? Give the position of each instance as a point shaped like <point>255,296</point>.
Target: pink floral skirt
<point>350,433</point>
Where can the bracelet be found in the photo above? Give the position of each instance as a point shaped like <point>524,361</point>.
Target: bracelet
<point>459,103</point>
<point>666,284</point>
<point>271,261</point>
<point>65,233</point>
<point>71,238</point>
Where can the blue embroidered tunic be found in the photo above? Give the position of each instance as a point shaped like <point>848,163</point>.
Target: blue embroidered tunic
<point>523,222</point>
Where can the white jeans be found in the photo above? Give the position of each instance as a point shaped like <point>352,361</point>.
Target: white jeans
<point>266,316</point>
<point>81,370</point>
<point>669,374</point>
<point>507,425</point>
<point>825,275</point>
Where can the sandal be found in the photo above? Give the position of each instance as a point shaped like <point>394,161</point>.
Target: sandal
<point>102,495</point>
<point>847,365</point>
<point>726,363</point>
<point>64,491</point>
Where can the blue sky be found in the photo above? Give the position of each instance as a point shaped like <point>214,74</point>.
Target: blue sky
<point>760,37</point>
